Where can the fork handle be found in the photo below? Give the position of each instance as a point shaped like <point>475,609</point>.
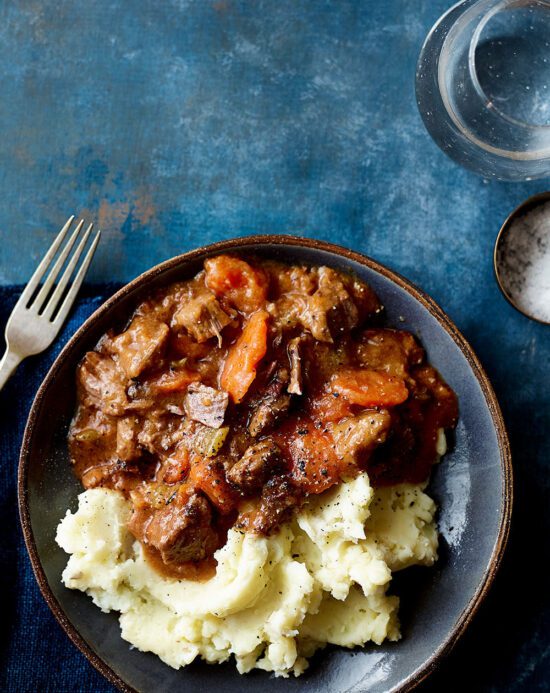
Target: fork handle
<point>8,364</point>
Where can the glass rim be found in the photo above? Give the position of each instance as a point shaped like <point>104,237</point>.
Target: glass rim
<point>446,50</point>
<point>474,41</point>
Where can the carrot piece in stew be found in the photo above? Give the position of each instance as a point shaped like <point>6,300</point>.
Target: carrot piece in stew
<point>239,369</point>
<point>369,388</point>
<point>330,407</point>
<point>315,465</point>
<point>243,286</point>
<point>177,466</point>
<point>208,475</point>
<point>172,381</point>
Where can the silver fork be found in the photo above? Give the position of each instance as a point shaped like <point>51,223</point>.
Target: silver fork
<point>36,320</point>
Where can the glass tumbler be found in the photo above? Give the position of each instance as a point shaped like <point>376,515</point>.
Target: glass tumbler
<point>483,86</point>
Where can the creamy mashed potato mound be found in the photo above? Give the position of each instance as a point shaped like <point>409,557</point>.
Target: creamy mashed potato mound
<point>274,600</point>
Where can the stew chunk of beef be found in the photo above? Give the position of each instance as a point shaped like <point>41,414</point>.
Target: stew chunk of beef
<point>331,310</point>
<point>141,345</point>
<point>392,351</point>
<point>272,406</point>
<point>203,317</point>
<point>103,384</point>
<point>234,396</point>
<point>255,467</point>
<point>206,404</point>
<point>278,498</point>
<point>358,435</point>
<point>179,534</point>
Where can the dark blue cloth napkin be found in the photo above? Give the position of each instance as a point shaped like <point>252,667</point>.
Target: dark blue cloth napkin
<point>37,656</point>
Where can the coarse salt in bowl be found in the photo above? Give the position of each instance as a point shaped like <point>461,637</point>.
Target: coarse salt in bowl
<point>522,258</point>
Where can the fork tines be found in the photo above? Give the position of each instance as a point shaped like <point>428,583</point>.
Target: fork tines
<point>53,300</point>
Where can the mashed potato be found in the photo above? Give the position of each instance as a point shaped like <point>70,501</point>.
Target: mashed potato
<point>274,600</point>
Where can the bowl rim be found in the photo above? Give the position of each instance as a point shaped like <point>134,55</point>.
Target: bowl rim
<point>234,245</point>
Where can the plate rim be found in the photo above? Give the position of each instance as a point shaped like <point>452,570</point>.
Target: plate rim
<point>231,245</point>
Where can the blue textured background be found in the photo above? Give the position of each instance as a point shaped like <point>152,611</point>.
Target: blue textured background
<point>173,124</point>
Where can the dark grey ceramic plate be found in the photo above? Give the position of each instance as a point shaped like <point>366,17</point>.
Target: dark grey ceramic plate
<point>473,487</point>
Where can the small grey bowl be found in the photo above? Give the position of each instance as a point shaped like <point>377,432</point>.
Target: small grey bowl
<point>521,265</point>
<point>472,486</point>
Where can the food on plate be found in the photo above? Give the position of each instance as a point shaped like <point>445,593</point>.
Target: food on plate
<point>254,445</point>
